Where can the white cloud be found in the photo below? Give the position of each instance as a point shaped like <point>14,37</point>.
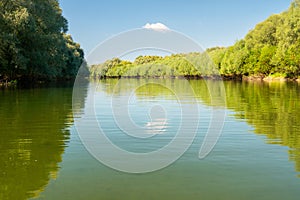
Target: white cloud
<point>156,27</point>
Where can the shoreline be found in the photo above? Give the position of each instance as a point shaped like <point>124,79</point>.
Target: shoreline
<point>224,78</point>
<point>270,79</point>
<point>36,84</point>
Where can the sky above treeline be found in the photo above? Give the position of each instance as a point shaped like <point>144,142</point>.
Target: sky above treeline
<point>209,22</point>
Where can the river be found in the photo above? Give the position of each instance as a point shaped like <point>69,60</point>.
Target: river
<point>256,156</point>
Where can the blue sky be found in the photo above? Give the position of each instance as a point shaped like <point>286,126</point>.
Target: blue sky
<point>209,22</point>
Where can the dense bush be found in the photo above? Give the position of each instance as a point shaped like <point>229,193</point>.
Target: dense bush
<point>34,44</point>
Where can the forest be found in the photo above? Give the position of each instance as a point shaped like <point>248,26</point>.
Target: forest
<point>271,49</point>
<point>34,44</point>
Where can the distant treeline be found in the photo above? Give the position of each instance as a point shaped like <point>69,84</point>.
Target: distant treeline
<point>154,66</point>
<point>272,48</point>
<point>34,45</point>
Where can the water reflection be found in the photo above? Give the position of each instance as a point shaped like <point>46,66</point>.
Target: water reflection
<point>158,121</point>
<point>157,126</point>
<point>34,134</point>
<point>271,108</point>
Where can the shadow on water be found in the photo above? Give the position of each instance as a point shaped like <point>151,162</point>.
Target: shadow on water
<point>34,134</point>
<point>271,108</point>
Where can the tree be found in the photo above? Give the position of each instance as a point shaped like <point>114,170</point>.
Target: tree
<point>272,47</point>
<point>34,43</point>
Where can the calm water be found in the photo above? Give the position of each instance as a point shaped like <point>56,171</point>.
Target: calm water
<point>256,157</point>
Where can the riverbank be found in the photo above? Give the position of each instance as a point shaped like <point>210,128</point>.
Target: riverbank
<point>4,84</point>
<point>224,78</point>
<point>39,84</point>
<point>270,79</point>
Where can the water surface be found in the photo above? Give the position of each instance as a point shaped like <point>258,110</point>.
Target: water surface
<point>257,156</point>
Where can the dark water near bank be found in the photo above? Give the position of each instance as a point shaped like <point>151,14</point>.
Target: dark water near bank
<point>256,157</point>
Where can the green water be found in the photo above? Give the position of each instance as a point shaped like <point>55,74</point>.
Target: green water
<point>256,157</point>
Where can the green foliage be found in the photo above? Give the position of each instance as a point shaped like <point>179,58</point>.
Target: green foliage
<point>272,47</point>
<point>33,42</point>
<point>234,60</point>
<point>217,54</point>
<point>105,69</point>
<point>177,65</point>
<point>146,59</point>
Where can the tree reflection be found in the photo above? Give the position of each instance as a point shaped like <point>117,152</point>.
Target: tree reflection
<point>271,108</point>
<point>34,134</point>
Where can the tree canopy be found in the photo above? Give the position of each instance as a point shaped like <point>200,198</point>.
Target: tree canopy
<point>271,48</point>
<point>34,44</point>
